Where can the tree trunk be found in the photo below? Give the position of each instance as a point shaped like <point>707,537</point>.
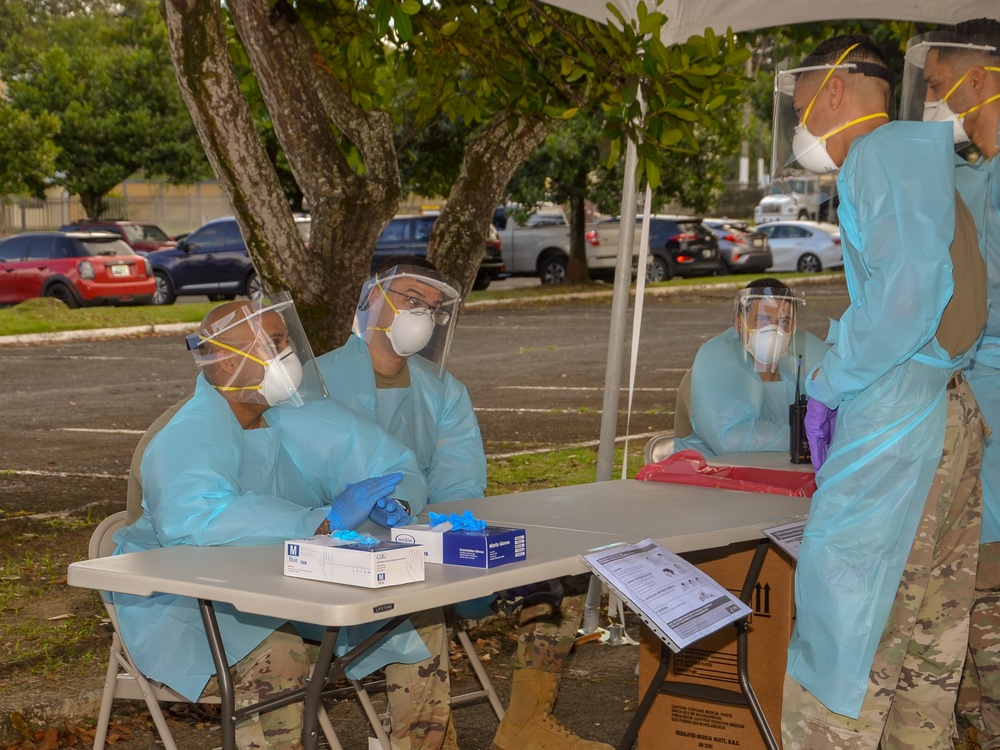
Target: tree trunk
<point>93,204</point>
<point>325,293</point>
<point>458,238</point>
<point>577,272</point>
<point>348,211</point>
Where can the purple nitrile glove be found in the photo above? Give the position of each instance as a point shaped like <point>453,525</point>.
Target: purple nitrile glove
<point>819,423</point>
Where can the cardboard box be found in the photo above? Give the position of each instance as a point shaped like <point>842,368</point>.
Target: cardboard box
<point>489,548</point>
<point>427,536</point>
<point>690,724</point>
<point>323,558</point>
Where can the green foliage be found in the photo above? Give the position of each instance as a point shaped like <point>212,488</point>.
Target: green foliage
<point>105,71</point>
<point>472,63</point>
<point>28,152</point>
<point>564,167</point>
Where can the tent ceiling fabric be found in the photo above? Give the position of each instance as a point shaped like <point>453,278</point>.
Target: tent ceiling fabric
<point>686,18</point>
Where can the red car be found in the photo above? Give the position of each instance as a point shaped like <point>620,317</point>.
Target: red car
<point>141,236</point>
<point>78,268</point>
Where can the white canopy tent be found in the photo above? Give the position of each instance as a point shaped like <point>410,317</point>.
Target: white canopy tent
<point>691,17</point>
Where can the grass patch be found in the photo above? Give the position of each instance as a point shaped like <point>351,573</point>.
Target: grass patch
<point>47,315</point>
<point>538,471</point>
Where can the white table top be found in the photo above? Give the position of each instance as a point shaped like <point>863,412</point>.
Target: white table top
<point>561,524</point>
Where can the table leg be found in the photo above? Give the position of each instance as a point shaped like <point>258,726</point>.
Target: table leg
<point>228,714</point>
<point>746,697</point>
<point>327,668</point>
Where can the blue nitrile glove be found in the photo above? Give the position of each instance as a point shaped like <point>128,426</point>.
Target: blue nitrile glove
<point>388,512</point>
<point>819,423</point>
<point>353,505</point>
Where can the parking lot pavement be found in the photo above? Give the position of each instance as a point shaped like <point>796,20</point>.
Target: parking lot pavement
<point>535,375</point>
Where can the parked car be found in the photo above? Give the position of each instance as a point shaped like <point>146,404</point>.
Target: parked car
<point>212,260</point>
<point>807,246</point>
<point>141,236</point>
<point>409,235</point>
<point>678,246</point>
<point>743,249</point>
<point>77,268</point>
<point>540,245</point>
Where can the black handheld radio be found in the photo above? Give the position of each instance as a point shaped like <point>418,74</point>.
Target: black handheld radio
<point>799,445</point>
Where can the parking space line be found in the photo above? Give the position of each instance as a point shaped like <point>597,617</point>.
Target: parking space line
<point>568,447</point>
<point>62,474</point>
<point>95,429</point>
<point>582,387</point>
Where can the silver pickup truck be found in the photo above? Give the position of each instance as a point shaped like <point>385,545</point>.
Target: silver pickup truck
<point>540,246</point>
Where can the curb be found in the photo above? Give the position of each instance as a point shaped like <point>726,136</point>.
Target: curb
<point>97,333</point>
<point>662,291</point>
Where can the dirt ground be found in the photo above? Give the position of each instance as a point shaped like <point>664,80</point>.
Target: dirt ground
<point>71,414</point>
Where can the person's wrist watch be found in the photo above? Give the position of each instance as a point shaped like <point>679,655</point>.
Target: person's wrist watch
<point>406,505</point>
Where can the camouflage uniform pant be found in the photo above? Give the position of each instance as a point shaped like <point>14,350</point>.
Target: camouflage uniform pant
<point>914,678</point>
<point>547,637</point>
<point>280,663</point>
<point>979,695</point>
<point>420,694</point>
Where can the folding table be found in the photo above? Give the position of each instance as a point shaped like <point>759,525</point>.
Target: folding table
<point>561,524</point>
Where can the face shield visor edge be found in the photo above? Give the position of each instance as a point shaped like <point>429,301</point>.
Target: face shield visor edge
<point>799,144</point>
<point>409,310</point>
<point>936,85</point>
<point>259,353</point>
<point>766,319</point>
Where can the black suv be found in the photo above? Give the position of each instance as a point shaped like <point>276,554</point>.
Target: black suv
<point>681,246</point>
<point>409,235</point>
<point>212,260</point>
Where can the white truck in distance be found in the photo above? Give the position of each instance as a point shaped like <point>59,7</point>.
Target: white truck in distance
<point>801,198</point>
<point>540,246</point>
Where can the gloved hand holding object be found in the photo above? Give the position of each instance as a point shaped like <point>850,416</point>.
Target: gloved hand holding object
<point>819,424</point>
<point>355,503</point>
<point>389,512</point>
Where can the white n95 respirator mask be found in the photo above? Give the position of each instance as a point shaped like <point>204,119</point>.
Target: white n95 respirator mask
<point>282,377</point>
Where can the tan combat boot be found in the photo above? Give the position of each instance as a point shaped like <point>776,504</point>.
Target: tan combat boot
<point>528,723</point>
<point>450,737</point>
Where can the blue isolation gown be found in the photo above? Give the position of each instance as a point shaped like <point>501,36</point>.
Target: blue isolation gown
<point>732,409</point>
<point>979,186</point>
<point>207,482</point>
<point>886,375</point>
<point>433,417</point>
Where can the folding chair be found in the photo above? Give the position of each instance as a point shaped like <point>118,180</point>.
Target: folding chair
<point>659,447</point>
<point>486,689</point>
<point>125,681</point>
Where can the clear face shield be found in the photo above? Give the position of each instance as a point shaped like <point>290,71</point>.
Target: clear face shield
<point>803,119</point>
<point>257,352</point>
<point>407,311</point>
<point>948,79</point>
<point>765,320</point>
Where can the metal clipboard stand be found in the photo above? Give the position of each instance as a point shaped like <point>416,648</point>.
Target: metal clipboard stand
<point>745,698</point>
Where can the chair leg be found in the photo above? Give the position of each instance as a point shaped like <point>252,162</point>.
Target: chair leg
<point>477,666</point>
<point>149,695</point>
<point>372,714</point>
<point>108,697</point>
<point>328,730</point>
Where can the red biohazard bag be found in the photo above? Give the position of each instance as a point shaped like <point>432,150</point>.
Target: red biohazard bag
<point>690,467</point>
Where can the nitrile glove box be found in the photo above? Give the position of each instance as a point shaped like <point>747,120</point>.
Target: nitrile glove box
<point>488,548</point>
<point>323,558</point>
